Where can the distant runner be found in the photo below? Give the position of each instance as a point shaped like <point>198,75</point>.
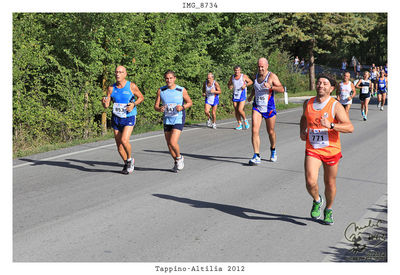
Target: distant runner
<point>320,124</point>
<point>345,92</point>
<point>123,118</point>
<point>382,84</point>
<point>239,82</point>
<point>211,91</point>
<point>365,86</point>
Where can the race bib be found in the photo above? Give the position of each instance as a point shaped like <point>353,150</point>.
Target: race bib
<point>210,98</point>
<point>262,102</point>
<point>364,90</point>
<point>237,93</point>
<point>319,138</point>
<point>119,109</point>
<point>381,85</point>
<point>170,110</point>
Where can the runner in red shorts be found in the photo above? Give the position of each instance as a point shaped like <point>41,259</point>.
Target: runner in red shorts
<point>322,120</point>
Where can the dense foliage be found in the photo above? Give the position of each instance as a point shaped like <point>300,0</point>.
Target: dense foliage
<point>63,62</point>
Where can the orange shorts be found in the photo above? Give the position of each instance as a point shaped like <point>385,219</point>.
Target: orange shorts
<point>328,160</point>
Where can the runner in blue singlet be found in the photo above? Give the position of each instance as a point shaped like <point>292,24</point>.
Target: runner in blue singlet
<point>123,118</point>
<point>382,84</point>
<point>174,101</point>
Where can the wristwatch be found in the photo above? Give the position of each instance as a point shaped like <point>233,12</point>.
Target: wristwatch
<point>332,125</point>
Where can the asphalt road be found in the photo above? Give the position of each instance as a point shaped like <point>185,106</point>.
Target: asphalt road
<point>73,205</point>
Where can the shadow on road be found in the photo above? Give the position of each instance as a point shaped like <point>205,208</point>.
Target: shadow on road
<point>68,164</point>
<point>237,211</point>
<point>207,157</point>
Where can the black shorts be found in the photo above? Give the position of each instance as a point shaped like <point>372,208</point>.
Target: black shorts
<point>364,96</point>
<point>170,127</point>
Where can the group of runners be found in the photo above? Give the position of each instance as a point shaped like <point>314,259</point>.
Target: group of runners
<point>373,83</point>
<point>321,122</point>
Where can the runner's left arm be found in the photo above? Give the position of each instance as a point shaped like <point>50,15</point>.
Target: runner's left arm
<point>217,88</point>
<point>354,91</point>
<point>248,81</point>
<point>139,97</point>
<point>344,124</point>
<point>276,84</point>
<point>187,99</point>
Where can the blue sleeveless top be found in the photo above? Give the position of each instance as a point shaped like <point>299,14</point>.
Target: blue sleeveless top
<point>170,99</point>
<point>122,97</point>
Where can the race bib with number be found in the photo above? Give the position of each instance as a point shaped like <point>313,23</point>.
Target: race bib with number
<point>119,109</point>
<point>319,138</point>
<point>382,85</point>
<point>364,90</point>
<point>237,93</point>
<point>210,97</point>
<point>170,110</point>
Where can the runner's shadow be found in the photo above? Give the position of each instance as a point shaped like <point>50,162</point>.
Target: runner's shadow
<point>137,168</point>
<point>237,211</point>
<point>207,157</point>
<point>67,164</point>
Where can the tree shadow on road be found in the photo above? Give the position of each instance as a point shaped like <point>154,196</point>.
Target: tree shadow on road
<point>237,211</point>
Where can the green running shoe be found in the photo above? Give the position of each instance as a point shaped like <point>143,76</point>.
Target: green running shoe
<point>328,216</point>
<point>316,209</point>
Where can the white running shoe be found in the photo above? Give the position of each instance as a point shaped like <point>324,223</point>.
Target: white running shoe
<point>256,160</point>
<point>379,105</point>
<point>179,163</point>
<point>381,108</point>
<point>209,123</point>
<point>131,165</point>
<point>214,125</point>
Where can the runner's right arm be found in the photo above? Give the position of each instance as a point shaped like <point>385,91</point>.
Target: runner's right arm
<point>157,103</point>
<point>303,123</point>
<point>106,100</point>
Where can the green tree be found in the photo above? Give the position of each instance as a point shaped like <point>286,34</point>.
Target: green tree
<point>321,33</point>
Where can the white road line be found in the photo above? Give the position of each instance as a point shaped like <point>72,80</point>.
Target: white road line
<point>343,243</point>
<point>113,144</point>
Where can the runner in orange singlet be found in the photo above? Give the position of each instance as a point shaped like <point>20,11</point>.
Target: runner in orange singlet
<point>322,120</point>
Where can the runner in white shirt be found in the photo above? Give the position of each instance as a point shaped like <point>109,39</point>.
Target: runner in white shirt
<point>345,92</point>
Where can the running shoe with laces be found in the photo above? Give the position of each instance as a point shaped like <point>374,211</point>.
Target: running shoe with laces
<point>179,163</point>
<point>274,156</point>
<point>239,127</point>
<point>255,160</point>
<point>246,124</point>
<point>328,216</point>
<point>316,209</point>
<point>214,126</point>
<point>209,123</point>
<point>131,165</point>
<point>379,105</point>
<point>381,108</point>
<point>125,169</point>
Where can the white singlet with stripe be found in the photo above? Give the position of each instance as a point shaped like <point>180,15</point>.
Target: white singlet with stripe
<point>345,90</point>
<point>237,87</point>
